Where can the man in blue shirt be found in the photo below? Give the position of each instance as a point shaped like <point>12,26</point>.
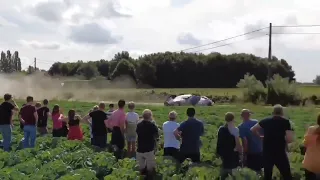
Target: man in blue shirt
<point>252,144</point>
<point>190,131</point>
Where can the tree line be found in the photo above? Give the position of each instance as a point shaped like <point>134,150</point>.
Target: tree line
<point>178,70</point>
<point>10,62</point>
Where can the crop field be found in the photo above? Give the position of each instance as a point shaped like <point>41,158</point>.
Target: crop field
<point>304,90</point>
<point>73,160</point>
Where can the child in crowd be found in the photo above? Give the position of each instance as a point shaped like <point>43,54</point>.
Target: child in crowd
<point>132,120</point>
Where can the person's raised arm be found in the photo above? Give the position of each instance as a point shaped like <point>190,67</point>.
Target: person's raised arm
<point>237,139</point>
<point>244,140</point>
<point>35,114</point>
<point>48,113</point>
<point>86,118</point>
<point>177,132</point>
<point>257,128</point>
<point>15,106</point>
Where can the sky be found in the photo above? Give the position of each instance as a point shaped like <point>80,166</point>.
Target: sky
<point>71,30</point>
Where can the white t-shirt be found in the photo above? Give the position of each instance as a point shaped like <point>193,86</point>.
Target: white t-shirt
<point>169,138</point>
<point>132,119</point>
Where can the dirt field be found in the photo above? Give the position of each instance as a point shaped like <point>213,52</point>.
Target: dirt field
<point>41,87</point>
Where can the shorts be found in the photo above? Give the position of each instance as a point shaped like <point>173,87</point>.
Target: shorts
<point>146,160</point>
<point>131,138</point>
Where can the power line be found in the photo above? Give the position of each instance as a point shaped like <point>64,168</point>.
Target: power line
<point>310,25</point>
<point>223,39</point>
<point>230,43</point>
<point>297,33</point>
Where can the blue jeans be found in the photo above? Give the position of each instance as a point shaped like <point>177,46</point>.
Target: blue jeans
<point>30,133</point>
<point>6,130</point>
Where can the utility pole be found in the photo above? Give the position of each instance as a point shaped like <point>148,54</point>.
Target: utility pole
<point>35,64</point>
<point>269,62</point>
<point>270,51</point>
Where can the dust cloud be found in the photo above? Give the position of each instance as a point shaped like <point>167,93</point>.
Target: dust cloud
<point>41,86</point>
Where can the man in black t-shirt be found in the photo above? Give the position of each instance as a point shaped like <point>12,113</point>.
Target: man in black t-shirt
<point>277,133</point>
<point>147,134</point>
<point>43,114</point>
<point>99,129</point>
<point>6,115</point>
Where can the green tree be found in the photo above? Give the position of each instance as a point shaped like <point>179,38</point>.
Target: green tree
<point>317,80</point>
<point>124,67</point>
<point>89,71</point>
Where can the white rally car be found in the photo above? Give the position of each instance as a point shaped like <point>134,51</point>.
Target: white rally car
<point>188,99</point>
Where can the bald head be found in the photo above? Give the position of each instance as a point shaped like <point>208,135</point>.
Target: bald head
<point>102,105</point>
<point>278,110</point>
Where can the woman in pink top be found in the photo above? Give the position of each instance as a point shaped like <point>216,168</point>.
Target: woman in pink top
<point>56,114</point>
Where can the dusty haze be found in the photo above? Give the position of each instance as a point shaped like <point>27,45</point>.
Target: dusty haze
<point>40,87</point>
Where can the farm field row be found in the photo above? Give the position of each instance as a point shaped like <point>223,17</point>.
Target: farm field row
<point>61,159</point>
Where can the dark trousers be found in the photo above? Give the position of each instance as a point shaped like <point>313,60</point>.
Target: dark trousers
<point>195,157</point>
<point>171,151</point>
<point>117,139</point>
<point>57,132</point>
<point>99,141</point>
<point>255,161</point>
<point>281,161</point>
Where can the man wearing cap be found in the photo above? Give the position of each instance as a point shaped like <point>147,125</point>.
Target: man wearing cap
<point>277,133</point>
<point>190,132</point>
<point>252,145</point>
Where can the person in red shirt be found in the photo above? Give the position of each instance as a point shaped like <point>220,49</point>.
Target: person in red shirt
<point>73,120</point>
<point>29,118</point>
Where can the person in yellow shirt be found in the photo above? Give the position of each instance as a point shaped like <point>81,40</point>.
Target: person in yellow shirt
<point>311,162</point>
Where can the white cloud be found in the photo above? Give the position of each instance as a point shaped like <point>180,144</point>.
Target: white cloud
<point>41,45</point>
<point>95,29</point>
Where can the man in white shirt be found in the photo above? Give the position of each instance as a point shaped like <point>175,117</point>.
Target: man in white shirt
<point>171,144</point>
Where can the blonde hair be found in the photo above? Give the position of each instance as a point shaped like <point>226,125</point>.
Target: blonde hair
<point>173,115</point>
<point>96,107</point>
<point>38,105</point>
<point>147,114</point>
<point>131,105</point>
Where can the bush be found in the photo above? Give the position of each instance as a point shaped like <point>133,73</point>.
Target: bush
<point>254,90</point>
<point>282,91</point>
